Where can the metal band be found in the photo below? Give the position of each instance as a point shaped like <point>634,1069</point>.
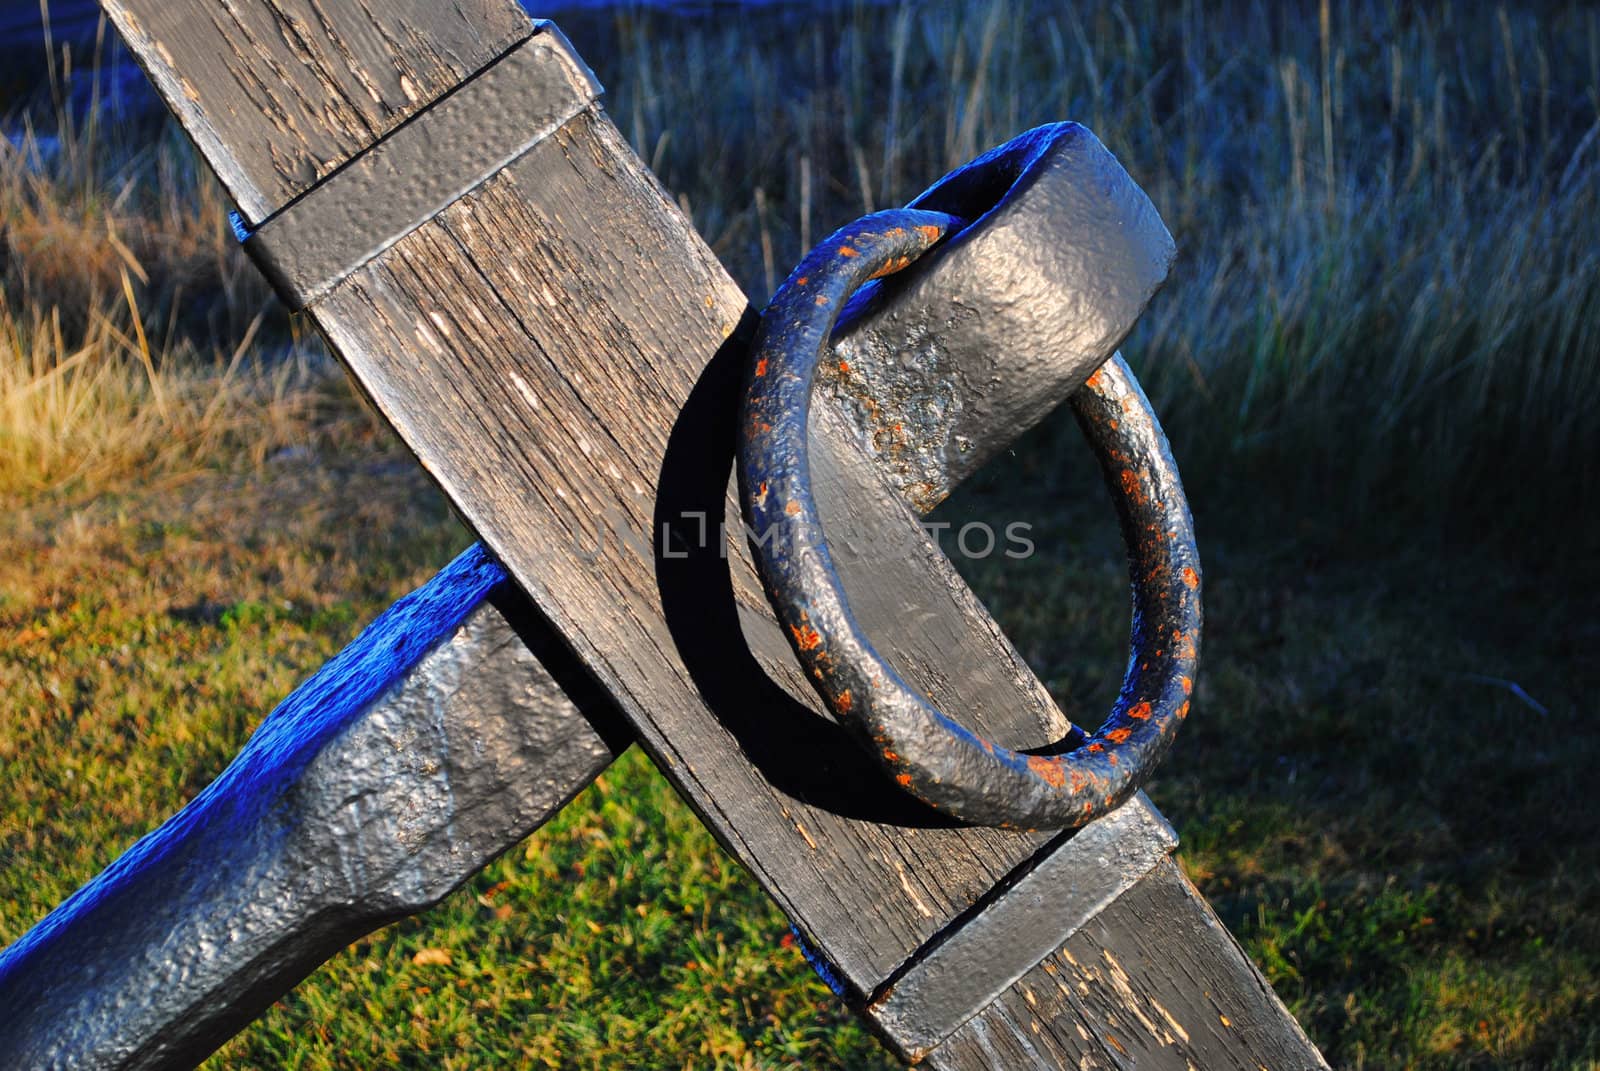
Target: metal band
<point>422,167</point>
<point>968,966</point>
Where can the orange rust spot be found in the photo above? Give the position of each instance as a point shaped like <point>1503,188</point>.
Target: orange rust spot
<point>1139,712</point>
<point>806,637</point>
<point>1188,685</point>
<point>791,507</point>
<point>1096,747</point>
<point>761,367</point>
<point>1095,381</point>
<point>844,701</point>
<point>891,755</point>
<point>822,299</point>
<point>1118,736</point>
<point>1183,711</point>
<point>1190,577</point>
<point>929,231</point>
<point>904,779</point>
<point>1078,781</point>
<point>844,368</point>
<point>1048,770</point>
<point>1130,483</point>
<point>803,280</point>
<point>891,267</point>
<point>847,251</point>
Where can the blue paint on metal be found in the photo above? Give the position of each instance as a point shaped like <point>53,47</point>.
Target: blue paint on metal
<point>241,229</point>
<point>982,183</point>
<point>823,968</point>
<point>291,736</point>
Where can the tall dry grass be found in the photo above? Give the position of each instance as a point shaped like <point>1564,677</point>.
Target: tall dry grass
<point>1389,279</point>
<point>135,338</point>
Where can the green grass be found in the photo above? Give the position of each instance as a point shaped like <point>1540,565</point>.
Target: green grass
<point>1375,359</point>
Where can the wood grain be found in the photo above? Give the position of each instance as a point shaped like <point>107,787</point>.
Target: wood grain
<point>446,333</point>
<point>1154,981</point>
<point>279,93</point>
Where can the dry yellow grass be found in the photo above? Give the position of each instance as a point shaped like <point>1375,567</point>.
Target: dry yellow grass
<point>106,408</point>
<point>136,340</point>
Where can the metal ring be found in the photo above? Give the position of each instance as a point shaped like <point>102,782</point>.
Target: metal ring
<point>930,755</point>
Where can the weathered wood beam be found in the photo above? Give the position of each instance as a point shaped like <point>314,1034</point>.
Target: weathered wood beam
<point>560,350</point>
<point>1153,981</point>
<point>278,95</point>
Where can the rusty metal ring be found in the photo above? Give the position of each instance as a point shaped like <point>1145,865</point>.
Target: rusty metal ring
<point>933,757</point>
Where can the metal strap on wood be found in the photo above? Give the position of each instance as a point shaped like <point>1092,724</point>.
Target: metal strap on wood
<point>422,167</point>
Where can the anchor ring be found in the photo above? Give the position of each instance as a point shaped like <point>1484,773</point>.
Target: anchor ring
<point>929,754</point>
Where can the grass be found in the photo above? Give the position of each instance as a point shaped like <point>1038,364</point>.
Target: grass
<point>133,333</point>
<point>1374,358</point>
<point>1384,216</point>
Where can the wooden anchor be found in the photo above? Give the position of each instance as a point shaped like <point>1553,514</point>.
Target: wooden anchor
<point>438,188</point>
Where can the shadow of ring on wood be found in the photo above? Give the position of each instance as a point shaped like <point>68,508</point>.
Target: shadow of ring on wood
<point>799,751</point>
